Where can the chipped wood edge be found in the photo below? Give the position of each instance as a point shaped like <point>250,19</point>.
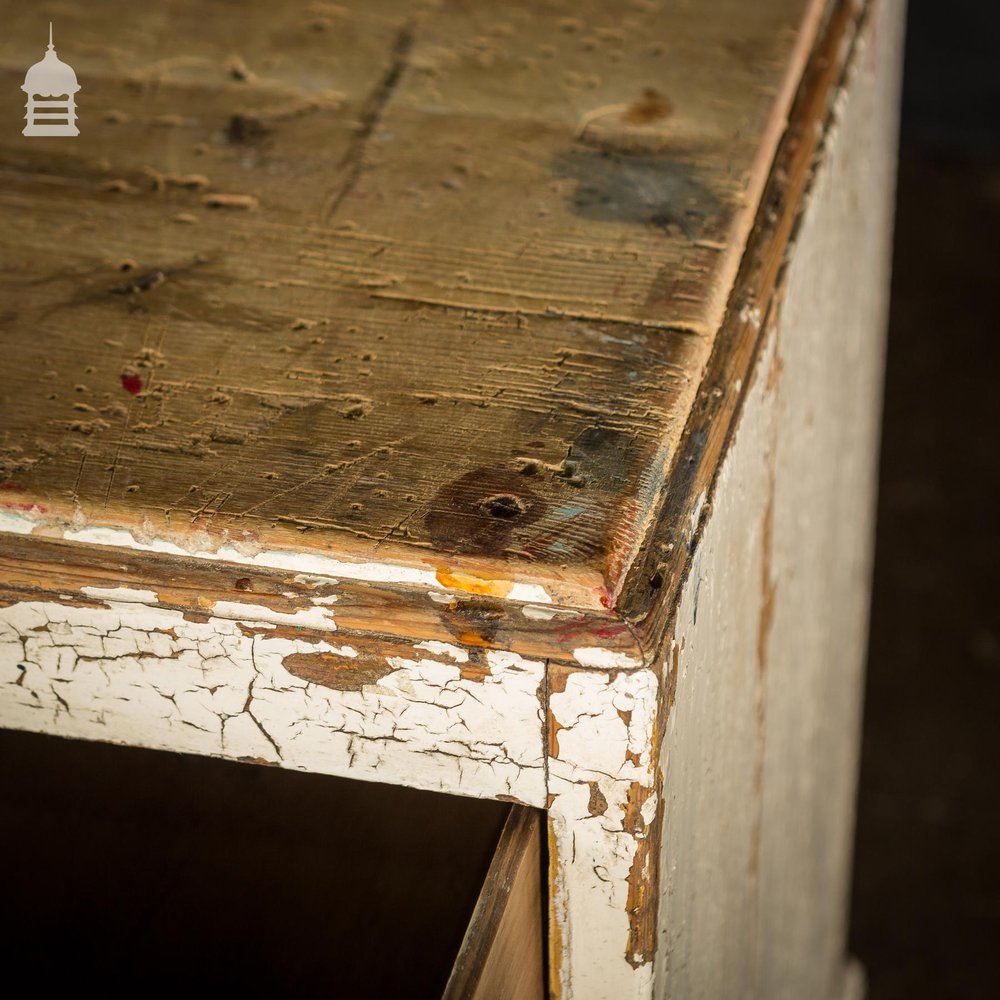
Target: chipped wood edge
<point>33,568</point>
<point>651,588</point>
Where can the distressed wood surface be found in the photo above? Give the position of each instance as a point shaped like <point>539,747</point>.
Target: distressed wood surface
<point>428,284</point>
<point>376,421</point>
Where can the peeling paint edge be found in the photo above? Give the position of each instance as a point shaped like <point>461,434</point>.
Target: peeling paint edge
<point>312,564</point>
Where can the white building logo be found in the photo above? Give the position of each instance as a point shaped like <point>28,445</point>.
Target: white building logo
<point>50,78</point>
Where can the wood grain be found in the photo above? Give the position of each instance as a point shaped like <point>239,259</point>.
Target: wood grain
<point>432,284</point>
<point>501,956</point>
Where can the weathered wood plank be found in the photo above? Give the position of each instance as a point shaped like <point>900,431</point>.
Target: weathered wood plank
<point>474,239</point>
<point>501,956</point>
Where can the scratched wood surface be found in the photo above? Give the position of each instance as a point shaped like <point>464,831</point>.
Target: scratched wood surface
<point>426,283</point>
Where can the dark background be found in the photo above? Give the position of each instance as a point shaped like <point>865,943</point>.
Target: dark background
<point>925,918</point>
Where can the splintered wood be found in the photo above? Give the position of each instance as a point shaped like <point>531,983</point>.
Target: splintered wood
<point>421,392</point>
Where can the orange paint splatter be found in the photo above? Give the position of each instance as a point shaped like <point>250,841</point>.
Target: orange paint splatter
<point>473,639</point>
<point>473,584</point>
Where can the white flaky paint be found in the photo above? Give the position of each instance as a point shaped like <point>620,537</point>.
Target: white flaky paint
<point>317,617</point>
<point>458,654</point>
<point>139,674</point>
<point>547,614</point>
<point>16,524</point>
<point>121,595</point>
<point>604,734</point>
<point>604,659</point>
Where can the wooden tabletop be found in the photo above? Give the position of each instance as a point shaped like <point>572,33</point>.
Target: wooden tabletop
<point>409,293</point>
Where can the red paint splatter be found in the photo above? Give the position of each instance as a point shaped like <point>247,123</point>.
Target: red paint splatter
<point>570,631</point>
<point>132,383</point>
<point>610,631</point>
<point>30,508</point>
<point>12,486</point>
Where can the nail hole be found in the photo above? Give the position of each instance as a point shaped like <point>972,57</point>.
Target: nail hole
<point>243,583</point>
<point>504,506</point>
<point>656,581</point>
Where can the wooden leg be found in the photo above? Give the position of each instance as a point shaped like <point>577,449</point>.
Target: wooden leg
<point>603,832</point>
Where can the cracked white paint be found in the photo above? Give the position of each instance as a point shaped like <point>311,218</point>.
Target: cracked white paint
<point>143,675</point>
<point>604,732</point>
